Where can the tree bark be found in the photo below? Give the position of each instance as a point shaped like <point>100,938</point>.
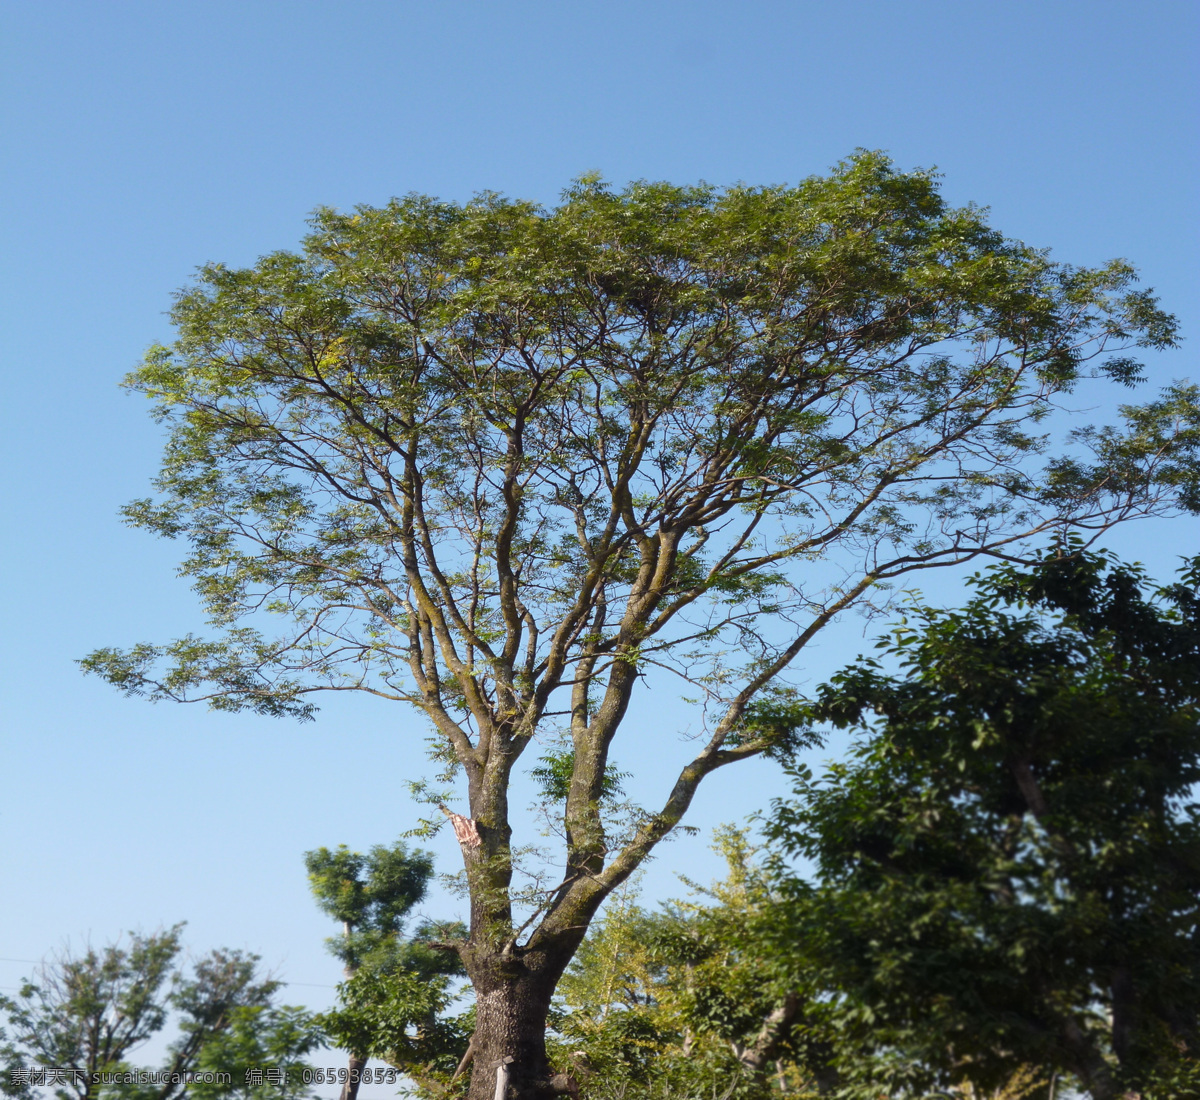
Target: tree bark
<point>1123,1010</point>
<point>357,1062</point>
<point>512,1002</point>
<point>1089,1063</point>
<point>356,1067</point>
<point>757,1057</point>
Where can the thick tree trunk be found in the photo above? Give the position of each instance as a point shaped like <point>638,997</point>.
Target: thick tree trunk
<point>512,1001</point>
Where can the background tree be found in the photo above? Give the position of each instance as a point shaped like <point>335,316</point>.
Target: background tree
<point>275,1039</point>
<point>498,462</point>
<point>87,1014</point>
<point>1009,866</point>
<point>695,999</point>
<point>718,996</point>
<point>396,989</point>
<point>405,1017</point>
<point>369,895</point>
<point>13,1082</point>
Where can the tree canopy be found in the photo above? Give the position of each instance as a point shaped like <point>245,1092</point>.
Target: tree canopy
<point>498,462</point>
<point>370,895</point>
<point>1009,864</point>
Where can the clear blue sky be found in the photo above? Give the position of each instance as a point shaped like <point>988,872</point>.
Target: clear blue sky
<point>141,139</point>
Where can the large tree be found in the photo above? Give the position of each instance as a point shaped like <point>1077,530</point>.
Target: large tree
<point>499,463</point>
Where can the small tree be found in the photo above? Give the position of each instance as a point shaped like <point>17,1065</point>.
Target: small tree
<point>1009,866</point>
<point>371,895</point>
<point>86,1014</point>
<point>498,463</point>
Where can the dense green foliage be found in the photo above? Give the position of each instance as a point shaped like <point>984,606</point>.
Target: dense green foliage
<point>694,999</point>
<point>432,398</point>
<point>88,1013</point>
<point>369,895</point>
<point>1009,863</point>
<point>408,1019</point>
<point>393,1003</point>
